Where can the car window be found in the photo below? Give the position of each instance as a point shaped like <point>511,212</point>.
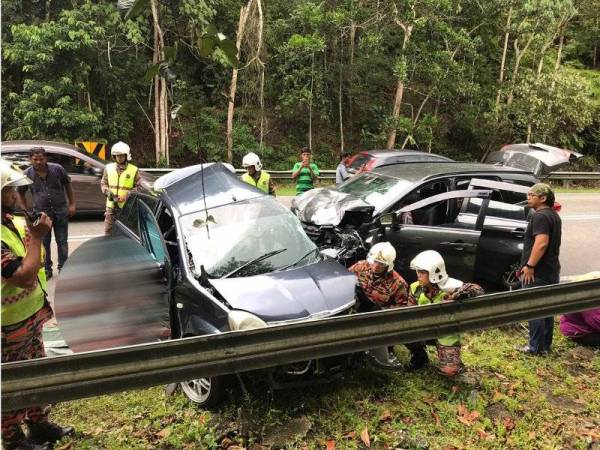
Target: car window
<point>21,159</point>
<point>130,215</point>
<point>420,193</point>
<point>151,232</point>
<point>375,189</point>
<point>70,164</point>
<point>496,209</point>
<point>359,160</point>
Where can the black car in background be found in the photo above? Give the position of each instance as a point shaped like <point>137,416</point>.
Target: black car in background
<point>473,214</point>
<point>366,161</point>
<point>200,253</point>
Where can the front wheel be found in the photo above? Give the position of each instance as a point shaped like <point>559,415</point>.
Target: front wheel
<point>204,392</point>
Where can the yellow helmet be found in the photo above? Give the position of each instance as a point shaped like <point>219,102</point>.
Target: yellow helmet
<point>12,176</point>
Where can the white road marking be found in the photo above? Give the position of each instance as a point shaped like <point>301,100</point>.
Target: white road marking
<point>595,216</point>
<point>84,237</point>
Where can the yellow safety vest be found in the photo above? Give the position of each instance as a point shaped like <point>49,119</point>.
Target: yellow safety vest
<point>422,299</point>
<point>18,303</point>
<point>262,183</point>
<point>118,184</point>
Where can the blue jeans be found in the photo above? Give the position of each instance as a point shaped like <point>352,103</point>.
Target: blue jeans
<point>60,225</point>
<point>541,330</point>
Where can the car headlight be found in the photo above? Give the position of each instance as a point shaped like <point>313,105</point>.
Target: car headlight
<point>242,320</point>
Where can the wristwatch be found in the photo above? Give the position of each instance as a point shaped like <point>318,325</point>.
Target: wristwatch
<point>529,266</point>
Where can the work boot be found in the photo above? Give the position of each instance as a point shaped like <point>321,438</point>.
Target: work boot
<point>47,432</point>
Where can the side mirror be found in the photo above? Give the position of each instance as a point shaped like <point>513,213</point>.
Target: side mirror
<point>387,219</point>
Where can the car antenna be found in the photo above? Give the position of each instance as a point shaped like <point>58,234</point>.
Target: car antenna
<point>206,217</point>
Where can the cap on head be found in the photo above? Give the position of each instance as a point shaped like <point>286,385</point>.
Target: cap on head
<point>12,176</point>
<point>384,253</point>
<point>121,148</point>
<point>543,189</point>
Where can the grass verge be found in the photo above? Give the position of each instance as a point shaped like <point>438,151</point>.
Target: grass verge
<point>503,400</point>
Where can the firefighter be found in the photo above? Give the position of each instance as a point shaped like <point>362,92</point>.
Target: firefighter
<point>379,286</point>
<point>25,309</point>
<point>118,180</point>
<point>255,176</point>
<point>433,285</point>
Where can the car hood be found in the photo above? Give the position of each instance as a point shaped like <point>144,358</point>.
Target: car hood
<point>317,290</point>
<point>540,159</point>
<point>327,206</point>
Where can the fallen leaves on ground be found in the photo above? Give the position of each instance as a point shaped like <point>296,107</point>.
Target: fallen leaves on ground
<point>386,416</point>
<point>508,423</point>
<point>465,416</point>
<point>164,433</point>
<point>350,435</point>
<point>364,436</point>
<point>436,417</point>
<point>330,444</point>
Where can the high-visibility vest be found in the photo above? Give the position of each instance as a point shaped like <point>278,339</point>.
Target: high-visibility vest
<point>119,184</point>
<point>262,183</point>
<point>18,303</point>
<point>417,291</point>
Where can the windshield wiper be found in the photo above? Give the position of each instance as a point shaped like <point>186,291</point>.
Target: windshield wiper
<point>255,260</point>
<point>316,249</point>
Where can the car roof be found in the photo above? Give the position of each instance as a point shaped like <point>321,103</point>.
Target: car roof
<point>424,170</point>
<point>183,188</point>
<point>27,144</point>
<point>384,152</point>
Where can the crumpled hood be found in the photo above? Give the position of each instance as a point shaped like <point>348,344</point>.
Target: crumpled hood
<point>325,206</point>
<point>316,290</point>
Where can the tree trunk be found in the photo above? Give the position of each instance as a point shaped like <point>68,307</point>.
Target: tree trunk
<point>416,118</point>
<point>340,84</point>
<point>310,101</point>
<point>262,71</point>
<point>399,90</point>
<point>518,56</point>
<point>161,132</point>
<point>503,61</point>
<point>233,87</point>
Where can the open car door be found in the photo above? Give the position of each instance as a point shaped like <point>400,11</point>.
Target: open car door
<point>456,242</point>
<point>540,159</point>
<point>113,291</point>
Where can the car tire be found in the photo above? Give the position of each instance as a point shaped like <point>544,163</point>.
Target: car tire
<point>204,392</point>
<point>509,280</point>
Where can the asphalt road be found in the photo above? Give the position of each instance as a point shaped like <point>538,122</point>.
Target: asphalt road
<point>580,250</point>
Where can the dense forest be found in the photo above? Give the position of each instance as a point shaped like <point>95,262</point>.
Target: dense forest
<point>191,80</point>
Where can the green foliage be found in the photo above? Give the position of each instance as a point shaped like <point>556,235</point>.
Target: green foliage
<point>83,70</point>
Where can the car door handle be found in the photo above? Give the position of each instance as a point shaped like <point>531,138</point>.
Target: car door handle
<point>518,232</point>
<point>458,245</point>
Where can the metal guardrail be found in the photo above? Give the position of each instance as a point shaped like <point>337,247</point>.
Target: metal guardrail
<point>48,380</point>
<point>565,177</point>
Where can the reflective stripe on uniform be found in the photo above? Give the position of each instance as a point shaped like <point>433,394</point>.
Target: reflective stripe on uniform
<point>116,183</point>
<point>417,291</point>
<point>262,183</point>
<point>20,303</point>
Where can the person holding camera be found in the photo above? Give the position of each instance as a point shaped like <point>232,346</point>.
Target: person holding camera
<point>305,172</point>
<point>25,309</point>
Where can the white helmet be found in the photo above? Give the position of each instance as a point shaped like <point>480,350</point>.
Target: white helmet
<point>384,253</point>
<point>432,262</point>
<point>12,176</point>
<point>121,148</point>
<point>252,159</point>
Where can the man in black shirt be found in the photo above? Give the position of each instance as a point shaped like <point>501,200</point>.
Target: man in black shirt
<point>540,260</point>
<point>52,193</point>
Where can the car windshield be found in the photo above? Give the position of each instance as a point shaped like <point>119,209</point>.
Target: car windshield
<point>375,189</point>
<point>225,238</point>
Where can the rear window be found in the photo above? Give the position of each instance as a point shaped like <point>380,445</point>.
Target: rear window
<point>359,160</point>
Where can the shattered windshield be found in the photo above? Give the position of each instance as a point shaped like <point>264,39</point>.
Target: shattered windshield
<point>225,238</point>
<point>375,189</point>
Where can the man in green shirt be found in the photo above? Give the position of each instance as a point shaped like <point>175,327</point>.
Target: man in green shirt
<point>305,173</point>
